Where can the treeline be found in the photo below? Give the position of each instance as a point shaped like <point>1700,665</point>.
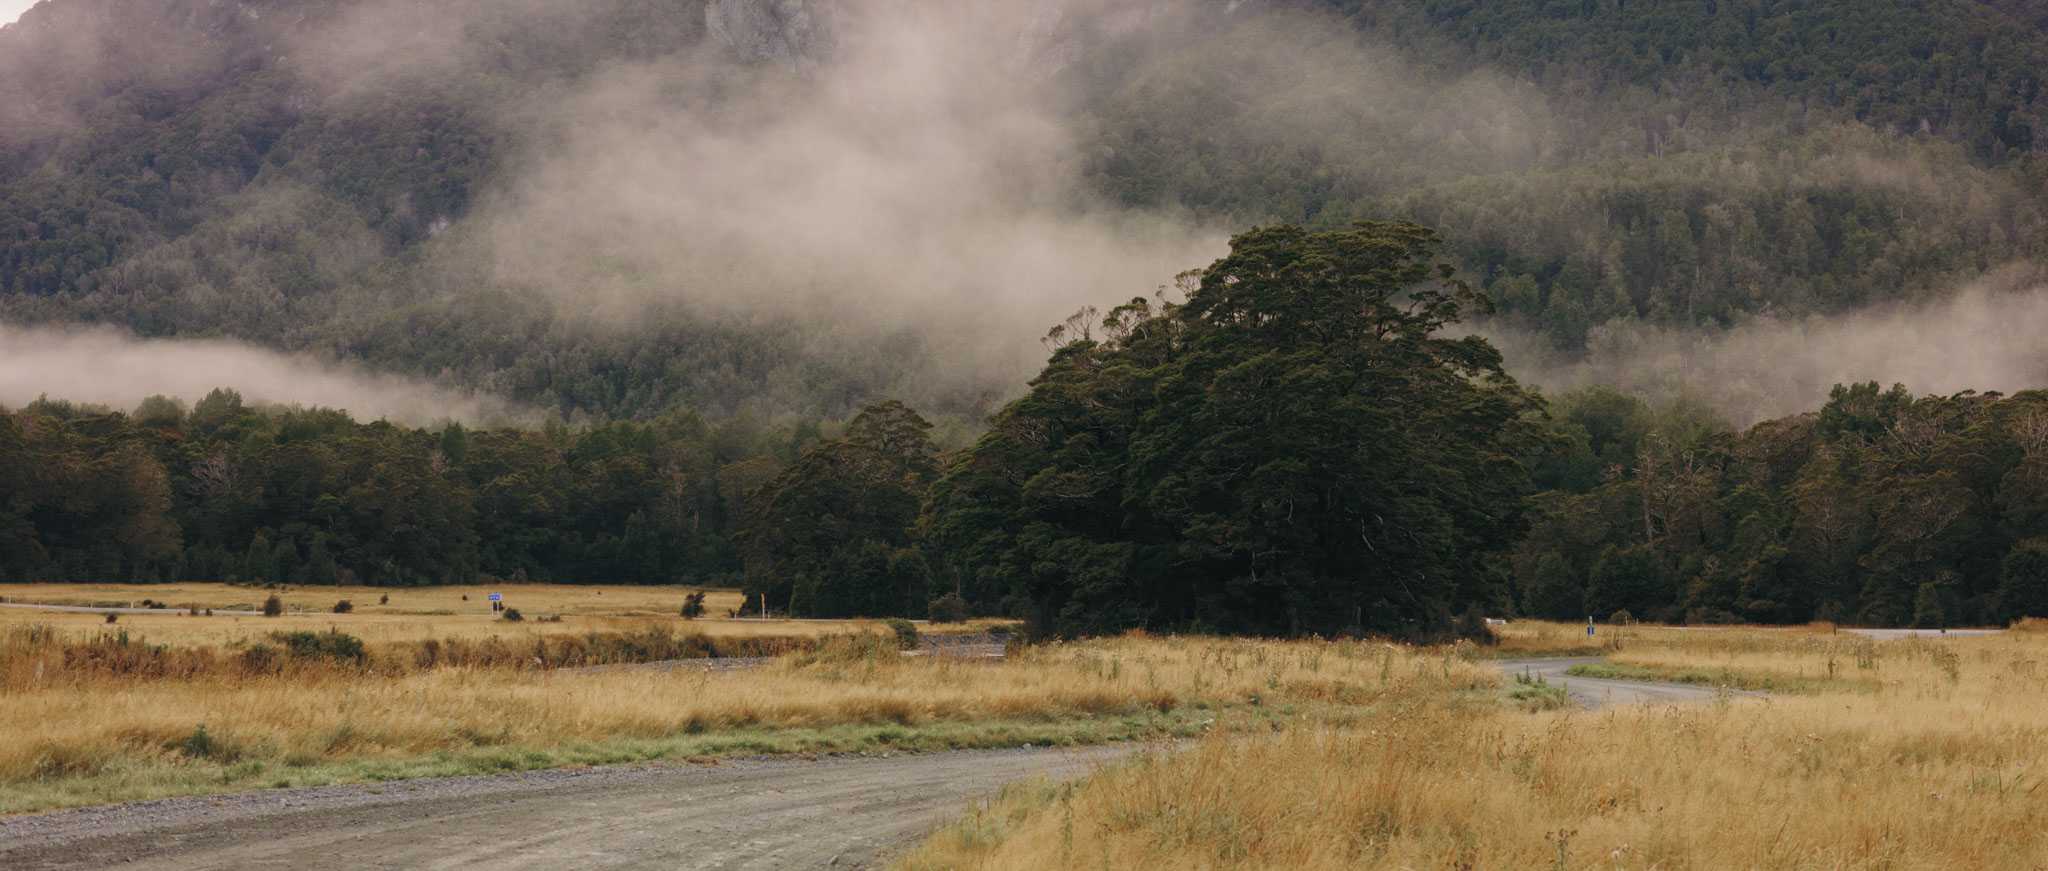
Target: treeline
<point>1881,509</point>
<point>227,492</point>
<point>1295,447</point>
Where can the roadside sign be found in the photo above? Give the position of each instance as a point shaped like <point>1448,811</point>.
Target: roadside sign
<point>1589,625</point>
<point>497,598</point>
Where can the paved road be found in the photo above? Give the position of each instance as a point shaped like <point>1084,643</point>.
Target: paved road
<point>1590,692</point>
<point>764,813</point>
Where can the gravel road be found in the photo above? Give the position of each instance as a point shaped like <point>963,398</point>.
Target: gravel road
<point>753,813</point>
<point>1590,692</point>
<point>1894,634</point>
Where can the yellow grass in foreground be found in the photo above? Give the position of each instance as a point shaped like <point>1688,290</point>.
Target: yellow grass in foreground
<point>113,741</point>
<point>1931,756</point>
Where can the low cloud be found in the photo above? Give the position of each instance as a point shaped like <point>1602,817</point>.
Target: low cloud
<point>108,367</point>
<point>1986,336</point>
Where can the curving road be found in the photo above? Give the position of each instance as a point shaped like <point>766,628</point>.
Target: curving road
<point>755,813</point>
<point>749,813</point>
<point>1589,692</point>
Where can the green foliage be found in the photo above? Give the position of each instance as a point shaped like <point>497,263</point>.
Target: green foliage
<point>949,608</point>
<point>906,632</point>
<point>693,605</point>
<point>1880,507</point>
<point>1295,449</point>
<point>512,615</point>
<point>331,645</point>
<point>344,607</point>
<point>2023,585</point>
<point>273,606</point>
<point>833,535</point>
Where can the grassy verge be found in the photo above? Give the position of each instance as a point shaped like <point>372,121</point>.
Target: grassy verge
<point>1712,676</point>
<point>1916,754</point>
<point>99,740</point>
<point>139,780</point>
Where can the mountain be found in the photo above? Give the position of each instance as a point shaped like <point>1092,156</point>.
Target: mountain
<point>620,207</point>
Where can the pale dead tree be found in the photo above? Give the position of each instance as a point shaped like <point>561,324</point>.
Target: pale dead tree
<point>437,462</point>
<point>675,493</point>
<point>215,475</point>
<point>1676,489</point>
<point>2030,432</point>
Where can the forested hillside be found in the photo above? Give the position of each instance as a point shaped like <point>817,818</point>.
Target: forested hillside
<point>335,176</point>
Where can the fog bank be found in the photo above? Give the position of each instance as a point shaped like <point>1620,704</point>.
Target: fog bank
<point>104,366</point>
<point>1987,336</point>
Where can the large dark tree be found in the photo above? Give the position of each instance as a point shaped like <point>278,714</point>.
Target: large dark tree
<point>1297,448</point>
<point>832,535</point>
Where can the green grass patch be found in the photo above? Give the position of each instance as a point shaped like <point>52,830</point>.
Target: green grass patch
<point>1535,693</point>
<point>207,774</point>
<point>1733,678</point>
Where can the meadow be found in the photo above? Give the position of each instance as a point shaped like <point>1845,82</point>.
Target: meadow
<point>1921,753</point>
<point>82,737</point>
<point>405,614</point>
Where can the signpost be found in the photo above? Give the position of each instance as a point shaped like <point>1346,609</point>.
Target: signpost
<point>1589,625</point>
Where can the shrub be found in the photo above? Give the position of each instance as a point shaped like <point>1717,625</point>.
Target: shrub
<point>906,632</point>
<point>1621,617</point>
<point>332,645</point>
<point>1471,626</point>
<point>384,599</point>
<point>209,612</point>
<point>261,659</point>
<point>949,608</point>
<point>344,606</point>
<point>273,606</point>
<point>512,615</point>
<point>203,745</point>
<point>111,616</point>
<point>693,605</point>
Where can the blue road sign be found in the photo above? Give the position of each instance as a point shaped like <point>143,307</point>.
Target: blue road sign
<point>497,598</point>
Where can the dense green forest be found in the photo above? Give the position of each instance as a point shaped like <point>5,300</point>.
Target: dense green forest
<point>1297,446</point>
<point>226,491</point>
<point>282,172</point>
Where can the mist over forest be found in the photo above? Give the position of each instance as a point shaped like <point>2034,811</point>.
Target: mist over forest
<point>612,209</point>
<point>709,237</point>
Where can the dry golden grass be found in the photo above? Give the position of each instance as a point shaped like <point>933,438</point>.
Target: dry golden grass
<point>1931,757</point>
<point>533,599</point>
<point>111,741</point>
<point>413,614</point>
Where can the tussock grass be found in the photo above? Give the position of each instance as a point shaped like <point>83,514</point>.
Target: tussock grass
<point>105,740</point>
<point>1921,754</point>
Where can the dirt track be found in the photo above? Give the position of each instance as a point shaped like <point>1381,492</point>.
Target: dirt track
<point>793,813</point>
<point>1590,692</point>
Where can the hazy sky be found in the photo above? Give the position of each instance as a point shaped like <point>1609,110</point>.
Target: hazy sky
<point>12,9</point>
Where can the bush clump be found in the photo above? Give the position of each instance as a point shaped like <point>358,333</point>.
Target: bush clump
<point>906,632</point>
<point>512,615</point>
<point>693,605</point>
<point>949,608</point>
<point>344,606</point>
<point>273,606</point>
<point>112,617</point>
<point>329,645</point>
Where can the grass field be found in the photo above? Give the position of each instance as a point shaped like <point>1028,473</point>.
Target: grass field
<point>1912,754</point>
<point>102,741</point>
<point>412,614</point>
